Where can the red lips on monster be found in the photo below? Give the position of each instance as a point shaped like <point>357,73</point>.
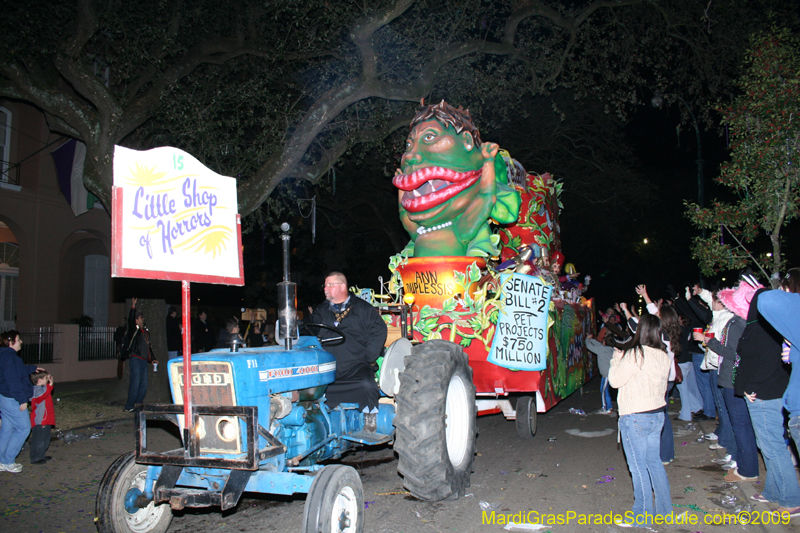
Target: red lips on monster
<point>431,186</point>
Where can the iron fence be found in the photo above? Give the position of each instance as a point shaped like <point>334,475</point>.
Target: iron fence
<point>37,345</point>
<point>96,344</point>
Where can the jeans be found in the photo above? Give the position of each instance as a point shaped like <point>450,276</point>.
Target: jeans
<point>691,401</point>
<point>605,394</point>
<point>794,430</point>
<point>13,431</point>
<point>746,449</point>
<point>138,386</point>
<point>724,430</point>
<point>781,483</point>
<point>703,380</point>
<point>640,440</point>
<point>40,441</point>
<point>667,443</point>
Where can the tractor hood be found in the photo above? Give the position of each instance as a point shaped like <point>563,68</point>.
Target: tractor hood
<point>249,376</point>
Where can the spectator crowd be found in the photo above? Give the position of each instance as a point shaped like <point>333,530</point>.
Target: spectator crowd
<point>729,355</point>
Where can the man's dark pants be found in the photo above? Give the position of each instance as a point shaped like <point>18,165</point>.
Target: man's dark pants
<point>138,385</point>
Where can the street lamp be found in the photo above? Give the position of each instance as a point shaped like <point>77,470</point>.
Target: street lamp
<point>657,101</point>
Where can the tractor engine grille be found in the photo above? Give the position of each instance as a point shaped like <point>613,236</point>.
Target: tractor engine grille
<point>212,384</point>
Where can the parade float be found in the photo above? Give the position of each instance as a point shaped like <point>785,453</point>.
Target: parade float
<point>484,269</point>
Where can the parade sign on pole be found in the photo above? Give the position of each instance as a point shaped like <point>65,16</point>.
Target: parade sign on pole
<point>520,341</point>
<point>174,219</point>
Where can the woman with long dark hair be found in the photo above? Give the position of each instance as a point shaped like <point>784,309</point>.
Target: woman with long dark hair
<point>641,374</point>
<point>671,337</point>
<point>15,391</point>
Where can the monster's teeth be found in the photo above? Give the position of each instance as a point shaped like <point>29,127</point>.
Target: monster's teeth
<point>416,193</point>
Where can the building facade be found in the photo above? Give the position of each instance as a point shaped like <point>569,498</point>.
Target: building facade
<point>54,265</point>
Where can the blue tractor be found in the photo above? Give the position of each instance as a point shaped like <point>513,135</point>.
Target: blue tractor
<point>260,424</point>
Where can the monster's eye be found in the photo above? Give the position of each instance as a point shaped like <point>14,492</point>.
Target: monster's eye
<point>428,137</point>
<point>408,144</point>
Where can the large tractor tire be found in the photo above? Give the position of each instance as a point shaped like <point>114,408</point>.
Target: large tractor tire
<point>121,485</point>
<point>335,502</point>
<point>436,424</point>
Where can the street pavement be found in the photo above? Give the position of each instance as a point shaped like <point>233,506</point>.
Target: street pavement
<point>573,465</point>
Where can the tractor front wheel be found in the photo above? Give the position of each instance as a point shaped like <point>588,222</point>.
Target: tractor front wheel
<point>122,483</point>
<point>436,421</point>
<point>335,502</point>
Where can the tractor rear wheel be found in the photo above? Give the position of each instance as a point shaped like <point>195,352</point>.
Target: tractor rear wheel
<point>436,424</point>
<point>122,483</point>
<point>335,502</point>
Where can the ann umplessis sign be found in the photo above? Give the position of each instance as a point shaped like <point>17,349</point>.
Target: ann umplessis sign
<point>173,218</point>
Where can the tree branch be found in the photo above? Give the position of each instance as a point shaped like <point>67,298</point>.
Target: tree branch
<point>85,27</point>
<point>742,246</point>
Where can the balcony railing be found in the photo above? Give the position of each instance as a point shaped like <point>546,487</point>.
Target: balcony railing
<point>96,344</point>
<point>9,172</point>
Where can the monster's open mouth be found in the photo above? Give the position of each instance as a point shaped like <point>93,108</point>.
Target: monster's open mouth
<point>431,186</point>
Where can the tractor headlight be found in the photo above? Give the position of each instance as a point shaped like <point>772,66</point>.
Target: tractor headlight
<point>227,429</point>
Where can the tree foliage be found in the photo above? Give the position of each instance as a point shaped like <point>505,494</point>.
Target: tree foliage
<point>762,171</point>
<point>269,91</point>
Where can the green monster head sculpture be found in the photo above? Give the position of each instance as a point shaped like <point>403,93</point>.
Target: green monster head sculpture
<point>450,184</point>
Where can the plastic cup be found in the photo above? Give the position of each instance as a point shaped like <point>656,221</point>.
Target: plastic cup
<point>698,330</point>
<point>710,335</point>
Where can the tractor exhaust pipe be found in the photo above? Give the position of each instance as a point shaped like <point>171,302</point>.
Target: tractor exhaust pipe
<point>287,296</point>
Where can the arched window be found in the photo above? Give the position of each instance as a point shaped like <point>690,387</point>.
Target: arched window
<point>96,273</point>
<point>9,275</point>
<point>5,143</point>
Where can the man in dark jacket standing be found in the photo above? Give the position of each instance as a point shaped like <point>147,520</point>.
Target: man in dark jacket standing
<point>141,354</point>
<point>203,339</point>
<point>174,337</point>
<point>365,333</point>
<point>762,377</point>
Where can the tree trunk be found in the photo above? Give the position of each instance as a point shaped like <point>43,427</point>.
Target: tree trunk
<point>775,280</point>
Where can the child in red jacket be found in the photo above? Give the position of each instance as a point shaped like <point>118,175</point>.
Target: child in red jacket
<point>42,416</point>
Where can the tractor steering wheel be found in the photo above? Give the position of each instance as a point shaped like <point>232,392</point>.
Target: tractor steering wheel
<point>338,340</point>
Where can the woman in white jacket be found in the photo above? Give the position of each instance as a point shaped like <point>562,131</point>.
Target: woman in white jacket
<point>723,434</point>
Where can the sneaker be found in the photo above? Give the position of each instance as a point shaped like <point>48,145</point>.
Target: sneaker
<point>729,466</point>
<point>733,476</point>
<point>14,468</point>
<point>129,410</point>
<point>715,446</point>
<point>604,412</point>
<point>759,498</point>
<point>722,460</point>
<point>665,463</point>
<point>711,436</point>
<point>39,462</point>
<point>792,512</point>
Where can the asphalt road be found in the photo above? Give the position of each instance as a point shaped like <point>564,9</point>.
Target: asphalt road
<point>573,465</point>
